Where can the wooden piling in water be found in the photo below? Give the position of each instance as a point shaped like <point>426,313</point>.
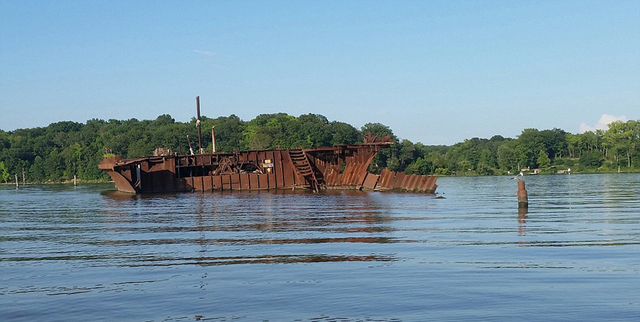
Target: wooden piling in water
<point>523,199</point>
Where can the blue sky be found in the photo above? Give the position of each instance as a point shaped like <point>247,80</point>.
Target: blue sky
<point>436,72</point>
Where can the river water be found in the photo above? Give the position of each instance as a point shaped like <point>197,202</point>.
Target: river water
<point>88,253</point>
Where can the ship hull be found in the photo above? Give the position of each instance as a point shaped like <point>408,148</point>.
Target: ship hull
<point>339,167</point>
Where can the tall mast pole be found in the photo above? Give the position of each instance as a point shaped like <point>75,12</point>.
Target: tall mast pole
<point>198,125</point>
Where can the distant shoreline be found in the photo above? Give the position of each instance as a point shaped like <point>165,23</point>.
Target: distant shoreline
<point>54,182</point>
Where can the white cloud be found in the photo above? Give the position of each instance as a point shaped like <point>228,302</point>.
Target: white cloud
<point>204,52</point>
<point>603,123</point>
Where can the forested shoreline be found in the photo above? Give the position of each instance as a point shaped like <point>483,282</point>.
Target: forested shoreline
<point>61,150</point>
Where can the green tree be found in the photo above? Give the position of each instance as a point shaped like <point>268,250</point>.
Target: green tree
<point>379,130</point>
<point>507,157</point>
<point>315,130</point>
<point>37,170</point>
<point>591,159</point>
<point>529,143</point>
<point>543,160</point>
<point>343,133</point>
<point>407,153</point>
<point>4,172</point>
<point>420,166</point>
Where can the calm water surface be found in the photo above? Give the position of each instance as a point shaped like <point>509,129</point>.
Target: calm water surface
<point>90,254</point>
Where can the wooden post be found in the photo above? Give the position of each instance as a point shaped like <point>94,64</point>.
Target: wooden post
<point>17,182</point>
<point>523,199</point>
<point>75,180</point>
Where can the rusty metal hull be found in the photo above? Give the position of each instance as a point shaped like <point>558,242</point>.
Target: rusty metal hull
<point>338,167</point>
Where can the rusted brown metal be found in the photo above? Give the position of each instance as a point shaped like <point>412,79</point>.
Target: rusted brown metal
<point>338,167</point>
<point>523,198</point>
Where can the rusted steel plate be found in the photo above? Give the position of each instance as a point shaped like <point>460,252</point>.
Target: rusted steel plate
<point>235,182</point>
<point>405,182</point>
<point>197,183</point>
<point>397,183</point>
<point>358,175</point>
<point>339,179</point>
<point>431,186</point>
<point>298,180</point>
<point>370,181</point>
<point>289,177</point>
<point>349,175</point>
<point>413,183</point>
<point>422,184</point>
<point>288,169</point>
<point>121,181</point>
<point>254,184</point>
<point>330,178</point>
<point>226,182</point>
<point>336,177</point>
<point>346,175</point>
<point>216,183</point>
<point>273,184</point>
<point>384,178</point>
<point>263,181</point>
<point>277,158</point>
<point>244,181</point>
<point>391,179</point>
<point>206,183</point>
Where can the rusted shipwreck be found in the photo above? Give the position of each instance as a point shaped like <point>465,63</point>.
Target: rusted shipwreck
<point>337,167</point>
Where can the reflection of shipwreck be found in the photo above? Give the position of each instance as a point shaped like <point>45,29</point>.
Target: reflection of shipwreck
<point>337,167</point>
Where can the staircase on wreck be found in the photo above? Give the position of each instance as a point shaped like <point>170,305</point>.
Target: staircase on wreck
<point>301,162</point>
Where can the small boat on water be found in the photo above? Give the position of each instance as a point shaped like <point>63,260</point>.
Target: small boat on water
<point>337,167</point>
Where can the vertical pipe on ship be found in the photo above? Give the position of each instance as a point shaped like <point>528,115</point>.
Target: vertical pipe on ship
<point>213,140</point>
<point>198,125</point>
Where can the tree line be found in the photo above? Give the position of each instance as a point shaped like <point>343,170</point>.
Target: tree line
<point>61,150</point>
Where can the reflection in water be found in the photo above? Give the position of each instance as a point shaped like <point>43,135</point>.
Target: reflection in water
<point>220,221</point>
<point>292,255</point>
<point>522,221</point>
<point>262,259</point>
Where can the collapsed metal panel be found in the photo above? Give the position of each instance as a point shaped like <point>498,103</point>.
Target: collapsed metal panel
<point>370,181</point>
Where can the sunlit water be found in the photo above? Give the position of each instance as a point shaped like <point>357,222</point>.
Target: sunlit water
<point>90,254</point>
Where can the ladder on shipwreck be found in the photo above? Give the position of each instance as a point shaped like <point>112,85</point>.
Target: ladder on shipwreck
<point>303,166</point>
